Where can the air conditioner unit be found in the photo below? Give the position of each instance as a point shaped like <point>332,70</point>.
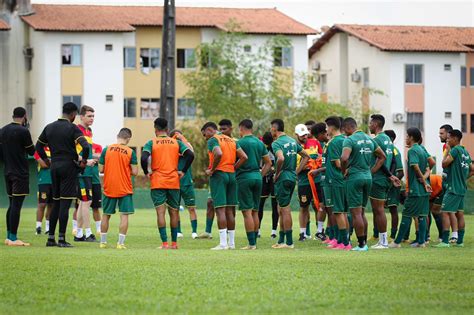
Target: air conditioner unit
<point>316,65</point>
<point>28,52</point>
<point>355,77</point>
<point>399,118</point>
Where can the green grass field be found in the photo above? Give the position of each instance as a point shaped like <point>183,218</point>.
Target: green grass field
<point>193,279</point>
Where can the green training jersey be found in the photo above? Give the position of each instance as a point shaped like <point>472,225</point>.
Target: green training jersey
<point>255,150</point>
<point>88,171</point>
<point>290,148</point>
<point>398,159</point>
<point>187,179</point>
<point>416,156</point>
<point>362,151</point>
<point>458,170</point>
<point>384,142</point>
<point>332,153</point>
<point>95,174</point>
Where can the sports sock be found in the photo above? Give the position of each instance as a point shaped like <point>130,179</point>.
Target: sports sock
<point>97,226</point>
<point>194,225</point>
<point>275,215</point>
<point>445,236</point>
<point>121,239</point>
<point>344,239</point>
<point>13,237</point>
<point>103,237</point>
<point>320,226</point>
<point>439,224</point>
<point>376,232</point>
<point>281,239</point>
<point>303,230</point>
<point>79,233</point>
<point>423,226</point>
<point>174,234</point>
<point>255,237</point>
<point>163,235</point>
<point>454,234</point>
<point>289,237</point>
<point>393,233</point>
<point>274,232</point>
<point>179,227</point>
<point>231,234</point>
<point>223,237</point>
<point>402,231</point>
<point>38,224</point>
<point>330,231</point>
<point>88,232</point>
<point>308,228</point>
<point>209,225</point>
<point>417,234</point>
<point>64,205</point>
<point>47,225</point>
<point>61,237</point>
<point>383,238</point>
<point>408,232</point>
<point>251,238</point>
<point>15,211</point>
<point>461,236</point>
<point>361,241</point>
<point>74,224</point>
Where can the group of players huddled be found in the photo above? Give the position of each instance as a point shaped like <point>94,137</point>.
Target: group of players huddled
<point>335,167</point>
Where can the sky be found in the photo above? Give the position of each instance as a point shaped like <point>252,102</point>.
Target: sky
<point>317,13</point>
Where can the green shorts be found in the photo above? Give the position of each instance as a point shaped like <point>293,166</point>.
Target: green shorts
<point>284,191</point>
<point>393,197</point>
<point>357,192</point>
<point>452,203</point>
<point>336,199</point>
<point>223,189</point>
<point>170,197</point>
<point>188,195</point>
<point>125,205</point>
<point>379,190</point>
<point>439,199</point>
<point>416,206</point>
<point>249,191</point>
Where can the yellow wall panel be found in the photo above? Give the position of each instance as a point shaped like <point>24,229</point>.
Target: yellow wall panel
<point>72,79</point>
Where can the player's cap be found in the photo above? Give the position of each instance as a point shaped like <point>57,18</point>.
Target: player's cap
<point>301,130</point>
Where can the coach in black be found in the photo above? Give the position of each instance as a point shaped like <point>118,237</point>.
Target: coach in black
<point>16,142</point>
<point>62,136</point>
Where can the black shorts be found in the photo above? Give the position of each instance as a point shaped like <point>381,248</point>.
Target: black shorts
<point>45,193</point>
<point>17,185</point>
<point>305,195</point>
<point>96,196</point>
<point>268,187</point>
<point>64,177</point>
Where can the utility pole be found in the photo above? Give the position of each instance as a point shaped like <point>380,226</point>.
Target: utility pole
<point>167,98</point>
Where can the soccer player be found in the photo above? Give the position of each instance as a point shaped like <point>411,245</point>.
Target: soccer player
<point>417,202</point>
<point>96,203</point>
<point>45,192</point>
<point>164,178</point>
<point>186,186</point>
<point>443,136</point>
<point>458,164</point>
<point>62,137</point>
<point>15,139</point>
<point>334,188</point>
<point>118,163</point>
<point>84,232</point>
<point>305,194</point>
<point>320,134</point>
<point>380,183</point>
<point>285,149</point>
<point>268,188</point>
<point>225,156</point>
<point>249,180</point>
<point>393,195</point>
<point>225,127</point>
<point>356,159</point>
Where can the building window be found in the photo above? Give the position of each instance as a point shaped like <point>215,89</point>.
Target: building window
<point>247,48</point>
<point>463,76</point>
<point>472,123</point>
<point>283,57</point>
<point>149,58</point>
<point>129,58</point>
<point>415,120</point>
<point>186,108</point>
<point>414,74</point>
<point>463,122</point>
<point>71,55</point>
<point>471,76</point>
<point>447,67</point>
<point>109,47</point>
<point>365,77</point>
<point>324,83</point>
<point>76,99</point>
<point>186,59</point>
<point>149,108</point>
<point>130,107</point>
